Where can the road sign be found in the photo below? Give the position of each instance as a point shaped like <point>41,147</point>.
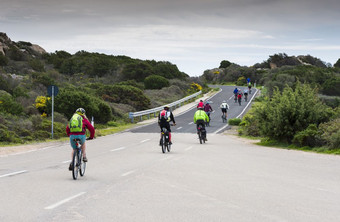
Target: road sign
<point>51,89</point>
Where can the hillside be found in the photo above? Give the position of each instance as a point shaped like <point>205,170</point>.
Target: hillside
<point>107,86</point>
<point>278,71</point>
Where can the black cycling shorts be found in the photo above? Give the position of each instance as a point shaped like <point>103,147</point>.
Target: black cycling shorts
<point>224,110</point>
<point>165,125</point>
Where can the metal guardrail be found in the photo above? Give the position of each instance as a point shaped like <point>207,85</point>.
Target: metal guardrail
<point>140,114</point>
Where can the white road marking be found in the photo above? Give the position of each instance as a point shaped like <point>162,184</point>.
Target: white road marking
<point>63,201</point>
<point>217,131</point>
<point>191,123</point>
<point>120,148</point>
<point>127,173</point>
<point>67,161</point>
<point>220,129</point>
<point>247,104</point>
<point>189,148</point>
<point>179,128</point>
<point>14,173</point>
<point>143,141</point>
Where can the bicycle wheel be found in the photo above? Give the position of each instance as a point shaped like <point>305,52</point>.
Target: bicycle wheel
<point>168,147</point>
<point>82,166</point>
<point>75,164</point>
<point>163,143</point>
<point>200,136</point>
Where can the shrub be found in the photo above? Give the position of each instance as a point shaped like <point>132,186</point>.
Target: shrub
<point>241,81</point>
<point>290,112</point>
<point>9,105</point>
<point>155,82</point>
<point>250,125</point>
<point>125,94</point>
<point>308,137</point>
<point>69,99</point>
<point>234,122</point>
<point>331,133</point>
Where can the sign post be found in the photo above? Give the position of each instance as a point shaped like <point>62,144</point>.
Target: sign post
<point>52,91</point>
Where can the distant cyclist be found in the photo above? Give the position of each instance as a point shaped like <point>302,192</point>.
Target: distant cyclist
<point>200,118</point>
<point>76,129</point>
<point>208,109</point>
<point>200,104</point>
<point>224,107</point>
<point>249,87</point>
<point>164,119</point>
<point>245,95</point>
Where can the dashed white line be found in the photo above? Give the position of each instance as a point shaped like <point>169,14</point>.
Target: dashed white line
<point>127,173</point>
<point>189,148</point>
<point>117,149</point>
<point>179,128</point>
<point>63,201</point>
<point>143,141</point>
<point>14,173</point>
<point>66,161</point>
<point>191,123</point>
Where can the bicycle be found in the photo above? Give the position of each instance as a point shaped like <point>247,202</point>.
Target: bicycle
<point>235,98</point>
<point>239,100</point>
<point>78,165</point>
<point>208,122</point>
<point>245,97</point>
<point>224,117</point>
<point>165,140</point>
<point>201,134</point>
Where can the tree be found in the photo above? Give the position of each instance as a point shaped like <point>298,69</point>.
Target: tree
<point>225,64</point>
<point>337,64</point>
<point>155,82</point>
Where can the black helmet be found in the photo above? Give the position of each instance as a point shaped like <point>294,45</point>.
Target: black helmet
<point>80,111</point>
<point>166,107</point>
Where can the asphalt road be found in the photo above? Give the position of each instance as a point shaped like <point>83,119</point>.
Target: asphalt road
<point>128,178</point>
<point>184,122</point>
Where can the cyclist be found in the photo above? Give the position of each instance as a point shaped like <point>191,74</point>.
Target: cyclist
<point>164,119</point>
<point>236,90</point>
<point>200,104</point>
<point>249,87</point>
<point>239,97</point>
<point>224,106</point>
<point>208,109</point>
<point>245,95</point>
<point>200,118</point>
<point>76,129</point>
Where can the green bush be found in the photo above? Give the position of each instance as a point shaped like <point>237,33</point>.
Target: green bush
<point>234,122</point>
<point>36,65</point>
<point>41,135</point>
<point>331,133</point>
<point>290,112</point>
<point>250,125</point>
<point>125,94</point>
<point>69,99</point>
<point>308,137</point>
<point>9,105</point>
<point>155,82</point>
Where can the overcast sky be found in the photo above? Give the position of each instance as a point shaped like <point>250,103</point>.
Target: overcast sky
<point>193,34</point>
